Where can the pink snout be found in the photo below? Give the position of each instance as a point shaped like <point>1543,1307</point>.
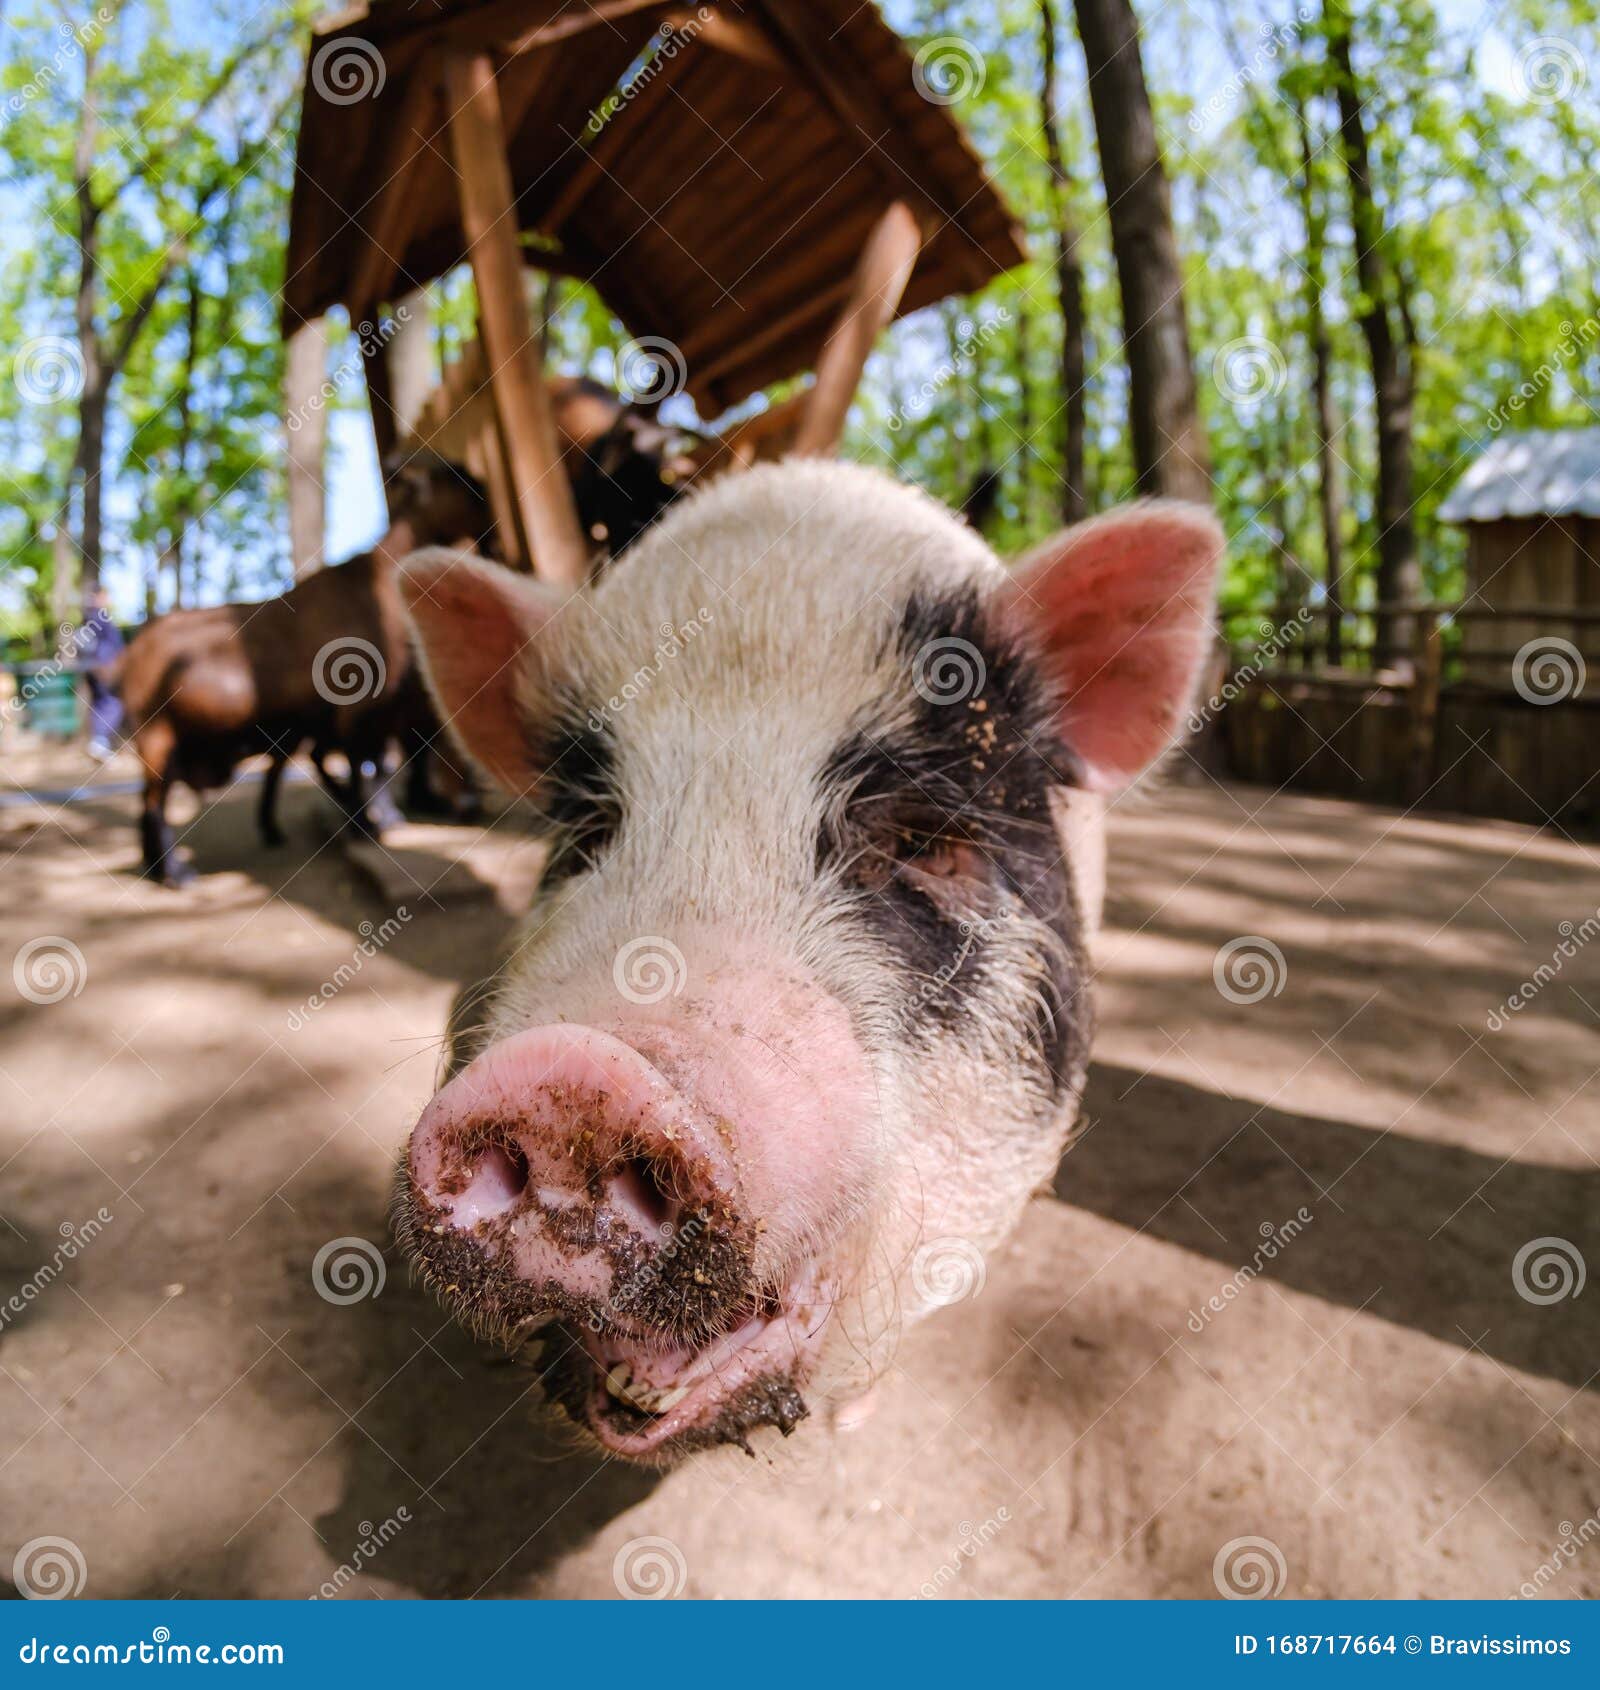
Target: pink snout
<point>584,1180</point>
<point>668,1191</point>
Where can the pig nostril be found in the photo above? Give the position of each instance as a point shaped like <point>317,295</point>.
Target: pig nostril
<point>636,1190</point>
<point>511,1166</point>
<point>498,1181</point>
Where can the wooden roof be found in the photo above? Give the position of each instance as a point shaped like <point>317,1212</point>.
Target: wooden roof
<point>1528,473</point>
<point>717,198</point>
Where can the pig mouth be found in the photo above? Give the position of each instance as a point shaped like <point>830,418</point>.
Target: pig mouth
<point>653,1401</point>
<point>562,1191</point>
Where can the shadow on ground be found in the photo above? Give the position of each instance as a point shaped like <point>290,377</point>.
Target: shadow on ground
<point>1421,1234</point>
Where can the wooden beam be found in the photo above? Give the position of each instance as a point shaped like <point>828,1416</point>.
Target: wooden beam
<point>516,365</point>
<point>737,37</point>
<point>609,140</point>
<point>306,424</point>
<point>387,227</point>
<point>880,280</point>
<point>380,398</point>
<point>409,354</point>
<point>857,102</point>
<point>594,13</point>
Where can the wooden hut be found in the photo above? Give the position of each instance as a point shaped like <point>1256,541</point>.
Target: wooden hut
<point>752,186</point>
<point>1530,504</point>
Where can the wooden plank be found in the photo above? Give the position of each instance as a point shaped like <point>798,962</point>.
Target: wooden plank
<point>1428,672</point>
<point>387,227</point>
<point>380,398</point>
<point>856,99</point>
<point>737,37</point>
<point>607,146</point>
<point>886,264</point>
<point>488,219</point>
<point>306,424</point>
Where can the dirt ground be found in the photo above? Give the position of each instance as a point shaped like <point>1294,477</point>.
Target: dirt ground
<point>1169,1384</point>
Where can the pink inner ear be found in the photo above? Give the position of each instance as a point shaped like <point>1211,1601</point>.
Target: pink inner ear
<point>474,622</point>
<point>1122,607</point>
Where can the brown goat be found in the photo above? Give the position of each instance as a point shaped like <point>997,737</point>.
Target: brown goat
<point>329,662</point>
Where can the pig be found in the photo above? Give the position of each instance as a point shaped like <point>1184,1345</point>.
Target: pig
<point>800,1016</point>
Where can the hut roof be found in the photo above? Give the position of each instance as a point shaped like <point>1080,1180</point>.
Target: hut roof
<point>1533,472</point>
<point>714,172</point>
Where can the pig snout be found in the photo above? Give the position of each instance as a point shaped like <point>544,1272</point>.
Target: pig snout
<point>662,1196</point>
<point>585,1183</point>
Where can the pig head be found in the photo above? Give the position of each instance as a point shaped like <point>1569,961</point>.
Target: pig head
<point>800,1016</point>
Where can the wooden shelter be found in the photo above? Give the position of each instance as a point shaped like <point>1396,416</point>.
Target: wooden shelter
<point>753,187</point>
<point>1530,504</point>
<point>1496,713</point>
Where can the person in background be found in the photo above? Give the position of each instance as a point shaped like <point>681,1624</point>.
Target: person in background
<point>99,644</point>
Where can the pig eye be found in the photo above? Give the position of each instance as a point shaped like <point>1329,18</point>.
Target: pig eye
<point>951,859</point>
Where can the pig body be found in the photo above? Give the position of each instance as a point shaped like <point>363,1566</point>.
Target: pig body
<point>801,1016</point>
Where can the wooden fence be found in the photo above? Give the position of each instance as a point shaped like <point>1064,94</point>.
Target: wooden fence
<point>1471,722</point>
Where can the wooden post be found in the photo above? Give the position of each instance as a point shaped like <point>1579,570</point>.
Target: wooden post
<point>1427,676</point>
<point>413,368</point>
<point>880,280</point>
<point>306,425</point>
<point>516,366</point>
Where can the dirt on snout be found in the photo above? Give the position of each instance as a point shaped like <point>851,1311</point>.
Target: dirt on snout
<point>1303,1307</point>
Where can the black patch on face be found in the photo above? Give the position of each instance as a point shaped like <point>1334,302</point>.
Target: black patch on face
<point>579,796</point>
<point>944,820</point>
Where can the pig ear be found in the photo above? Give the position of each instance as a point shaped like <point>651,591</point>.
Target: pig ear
<point>474,624</point>
<point>1121,607</point>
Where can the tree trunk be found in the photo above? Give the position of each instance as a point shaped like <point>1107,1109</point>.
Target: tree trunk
<point>306,432</point>
<point>1324,408</point>
<point>1388,351</point>
<point>1070,418</point>
<point>1024,357</point>
<point>87,459</point>
<point>1169,443</point>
